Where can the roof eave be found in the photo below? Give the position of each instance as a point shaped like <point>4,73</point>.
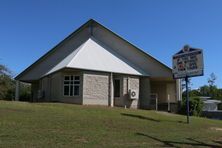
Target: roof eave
<point>54,48</point>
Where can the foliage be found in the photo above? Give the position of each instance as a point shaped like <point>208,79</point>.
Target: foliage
<point>204,90</point>
<point>25,92</point>
<point>211,91</point>
<point>7,86</point>
<point>194,93</point>
<point>212,79</point>
<point>195,106</point>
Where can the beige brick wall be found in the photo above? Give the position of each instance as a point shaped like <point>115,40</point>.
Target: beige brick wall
<point>95,88</point>
<point>133,84</point>
<point>127,83</point>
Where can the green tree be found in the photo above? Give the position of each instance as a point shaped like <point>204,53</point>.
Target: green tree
<point>7,84</point>
<point>212,79</point>
<point>204,90</point>
<point>25,92</point>
<point>194,93</point>
<point>195,105</point>
<point>212,86</point>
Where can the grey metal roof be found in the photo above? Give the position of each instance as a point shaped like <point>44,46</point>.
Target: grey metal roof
<point>92,55</point>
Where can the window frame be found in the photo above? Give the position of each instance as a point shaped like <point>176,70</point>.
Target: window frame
<point>71,83</point>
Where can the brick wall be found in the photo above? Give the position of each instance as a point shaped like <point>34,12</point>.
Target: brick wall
<point>95,88</point>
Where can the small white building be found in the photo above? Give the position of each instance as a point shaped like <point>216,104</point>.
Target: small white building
<point>93,65</point>
<point>211,105</point>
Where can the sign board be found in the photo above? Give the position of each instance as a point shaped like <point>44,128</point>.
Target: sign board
<point>188,62</point>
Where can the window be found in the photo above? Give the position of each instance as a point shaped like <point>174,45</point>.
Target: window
<point>116,88</point>
<point>71,85</point>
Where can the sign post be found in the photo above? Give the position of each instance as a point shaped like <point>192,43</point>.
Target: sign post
<point>187,101</point>
<point>188,62</point>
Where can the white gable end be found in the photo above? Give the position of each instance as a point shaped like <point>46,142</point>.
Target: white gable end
<point>65,62</point>
<point>92,55</point>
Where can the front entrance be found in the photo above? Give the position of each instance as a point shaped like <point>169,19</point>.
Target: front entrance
<point>116,88</point>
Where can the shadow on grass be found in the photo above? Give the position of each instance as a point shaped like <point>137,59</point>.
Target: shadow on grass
<point>174,143</point>
<point>140,117</point>
<point>219,142</point>
<point>148,118</point>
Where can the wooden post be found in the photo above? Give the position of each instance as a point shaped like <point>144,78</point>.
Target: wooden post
<point>17,90</point>
<point>168,100</point>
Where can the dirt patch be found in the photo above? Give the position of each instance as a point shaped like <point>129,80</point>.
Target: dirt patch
<point>81,140</point>
<point>166,113</point>
<point>216,128</point>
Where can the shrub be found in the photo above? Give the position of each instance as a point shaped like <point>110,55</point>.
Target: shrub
<point>195,106</point>
<point>25,92</point>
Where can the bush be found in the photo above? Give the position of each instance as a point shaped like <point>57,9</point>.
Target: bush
<point>7,86</point>
<point>195,105</point>
<point>25,92</point>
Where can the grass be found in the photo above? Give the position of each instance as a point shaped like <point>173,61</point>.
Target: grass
<point>67,125</point>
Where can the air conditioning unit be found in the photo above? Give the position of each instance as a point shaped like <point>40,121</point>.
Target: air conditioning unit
<point>133,94</point>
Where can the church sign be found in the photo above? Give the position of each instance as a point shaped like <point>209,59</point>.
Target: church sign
<point>188,62</point>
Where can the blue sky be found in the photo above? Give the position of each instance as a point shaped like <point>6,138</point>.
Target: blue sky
<point>28,29</point>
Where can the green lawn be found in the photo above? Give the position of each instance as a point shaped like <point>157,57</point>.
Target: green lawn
<point>67,125</point>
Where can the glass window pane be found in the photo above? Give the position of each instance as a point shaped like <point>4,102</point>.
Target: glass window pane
<point>76,82</point>
<point>66,78</point>
<point>71,90</point>
<point>71,77</point>
<point>76,90</point>
<point>77,78</point>
<point>66,82</point>
<point>66,90</point>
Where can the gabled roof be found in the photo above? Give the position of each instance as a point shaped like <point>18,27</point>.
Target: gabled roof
<point>93,55</point>
<point>54,48</point>
<point>69,61</point>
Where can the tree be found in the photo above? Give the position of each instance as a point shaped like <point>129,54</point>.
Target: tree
<point>204,90</point>
<point>195,106</point>
<point>4,70</point>
<point>194,93</point>
<point>212,86</point>
<point>7,84</point>
<point>212,79</point>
